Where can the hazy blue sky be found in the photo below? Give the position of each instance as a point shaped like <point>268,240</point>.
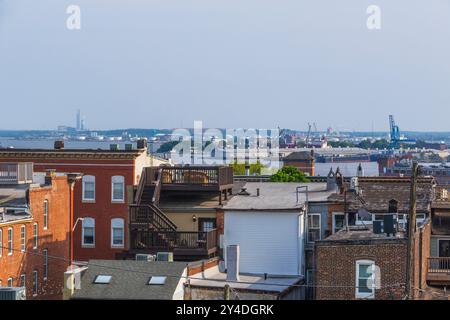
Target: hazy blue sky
<point>230,63</point>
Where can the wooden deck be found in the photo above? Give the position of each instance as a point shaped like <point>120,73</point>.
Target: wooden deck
<point>438,272</point>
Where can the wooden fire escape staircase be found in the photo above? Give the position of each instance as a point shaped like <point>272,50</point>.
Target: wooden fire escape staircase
<point>150,226</point>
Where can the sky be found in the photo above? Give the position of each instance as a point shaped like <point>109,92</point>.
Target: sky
<point>228,63</point>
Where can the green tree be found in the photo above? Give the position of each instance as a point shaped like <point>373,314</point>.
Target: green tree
<point>239,168</point>
<point>167,146</point>
<point>289,174</point>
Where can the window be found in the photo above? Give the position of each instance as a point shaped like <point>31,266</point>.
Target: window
<point>118,188</point>
<point>314,227</point>
<point>23,280</point>
<point>338,221</point>
<point>88,188</point>
<point>88,236</point>
<point>35,236</point>
<point>157,280</point>
<point>1,242</point>
<point>35,283</point>
<point>117,234</point>
<point>102,279</point>
<point>10,282</point>
<point>392,206</point>
<point>22,238</point>
<point>365,279</point>
<point>45,214</point>
<point>10,241</point>
<point>45,254</point>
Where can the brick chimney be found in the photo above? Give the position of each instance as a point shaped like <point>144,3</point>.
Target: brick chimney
<point>49,175</point>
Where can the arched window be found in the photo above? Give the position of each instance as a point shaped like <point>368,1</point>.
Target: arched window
<point>393,206</point>
<point>23,235</point>
<point>117,232</point>
<point>365,279</point>
<point>88,232</point>
<point>118,188</point>
<point>45,214</point>
<point>88,188</point>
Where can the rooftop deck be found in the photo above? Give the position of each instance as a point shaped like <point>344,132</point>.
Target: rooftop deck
<point>205,178</point>
<point>16,173</point>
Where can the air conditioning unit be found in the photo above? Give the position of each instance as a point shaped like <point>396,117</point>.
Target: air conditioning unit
<point>164,256</point>
<point>14,293</point>
<point>145,257</point>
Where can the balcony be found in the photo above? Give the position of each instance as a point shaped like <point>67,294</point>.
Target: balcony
<point>16,173</point>
<point>151,231</point>
<point>438,270</point>
<point>204,178</point>
<point>185,245</point>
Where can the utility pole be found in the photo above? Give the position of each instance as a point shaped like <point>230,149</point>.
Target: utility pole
<point>411,231</point>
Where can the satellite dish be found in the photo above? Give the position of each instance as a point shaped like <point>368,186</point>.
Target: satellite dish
<point>364,214</point>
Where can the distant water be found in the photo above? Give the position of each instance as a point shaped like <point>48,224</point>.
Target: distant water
<point>347,169</point>
<point>68,144</point>
<point>322,169</point>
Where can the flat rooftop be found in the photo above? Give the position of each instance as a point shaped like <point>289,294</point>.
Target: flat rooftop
<point>359,233</point>
<point>213,278</point>
<point>277,195</point>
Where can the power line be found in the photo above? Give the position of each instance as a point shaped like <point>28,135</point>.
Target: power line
<point>209,279</point>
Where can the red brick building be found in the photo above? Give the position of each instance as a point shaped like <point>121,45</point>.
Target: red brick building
<point>303,160</point>
<point>100,199</point>
<point>35,229</point>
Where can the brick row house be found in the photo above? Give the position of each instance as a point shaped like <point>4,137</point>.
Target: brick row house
<point>35,224</point>
<point>101,199</point>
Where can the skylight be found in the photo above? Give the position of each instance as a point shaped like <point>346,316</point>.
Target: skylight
<point>102,279</point>
<point>157,280</point>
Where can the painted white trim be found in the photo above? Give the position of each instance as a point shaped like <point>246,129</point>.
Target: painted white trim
<point>35,235</point>
<point>307,226</point>
<point>12,241</point>
<point>86,225</point>
<point>118,179</point>
<point>23,239</point>
<point>45,217</point>
<point>364,295</point>
<point>333,222</point>
<point>115,224</point>
<point>87,179</point>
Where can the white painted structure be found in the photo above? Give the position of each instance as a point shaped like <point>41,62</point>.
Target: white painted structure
<point>270,241</point>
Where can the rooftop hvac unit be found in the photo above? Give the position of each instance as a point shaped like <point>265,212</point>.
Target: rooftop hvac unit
<point>164,256</point>
<point>15,293</point>
<point>145,257</point>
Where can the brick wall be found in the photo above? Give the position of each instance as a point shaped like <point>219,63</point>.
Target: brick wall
<point>336,268</point>
<point>55,239</point>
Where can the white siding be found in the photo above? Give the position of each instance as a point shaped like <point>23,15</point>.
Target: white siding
<point>270,242</point>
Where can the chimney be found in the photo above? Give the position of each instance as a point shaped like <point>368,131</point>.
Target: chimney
<point>114,147</point>
<point>247,169</point>
<point>233,263</point>
<point>49,174</point>
<point>59,144</point>
<point>142,143</point>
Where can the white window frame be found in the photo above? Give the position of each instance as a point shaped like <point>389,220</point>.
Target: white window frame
<point>117,223</point>
<point>35,236</point>
<point>10,282</point>
<point>45,214</point>
<point>35,283</point>
<point>10,239</point>
<point>320,227</point>
<point>88,179</point>
<point>23,237</point>
<point>23,280</point>
<point>333,224</point>
<point>118,180</point>
<point>365,295</point>
<point>87,222</point>
<point>45,255</point>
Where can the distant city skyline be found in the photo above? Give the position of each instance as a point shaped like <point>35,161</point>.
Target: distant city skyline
<point>231,64</point>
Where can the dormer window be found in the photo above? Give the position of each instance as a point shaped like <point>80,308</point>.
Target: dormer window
<point>393,206</point>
